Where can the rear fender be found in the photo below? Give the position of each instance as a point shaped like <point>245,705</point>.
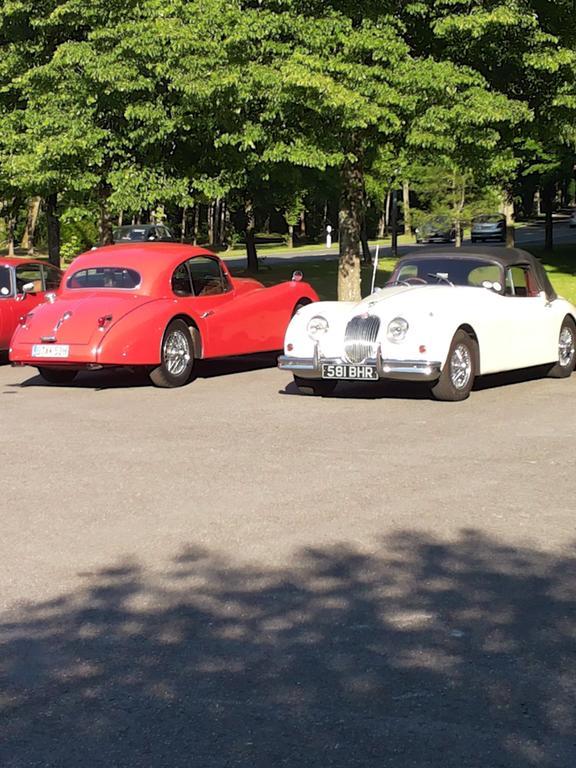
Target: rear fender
<point>136,339</point>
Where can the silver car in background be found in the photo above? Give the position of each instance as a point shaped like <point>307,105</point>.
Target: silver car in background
<point>489,226</point>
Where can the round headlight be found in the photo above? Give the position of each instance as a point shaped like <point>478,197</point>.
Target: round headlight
<point>317,326</point>
<point>397,330</point>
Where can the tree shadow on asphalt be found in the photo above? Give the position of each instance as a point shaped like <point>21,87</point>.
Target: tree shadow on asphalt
<point>429,654</point>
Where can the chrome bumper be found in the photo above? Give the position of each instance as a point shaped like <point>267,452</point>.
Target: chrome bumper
<point>404,370</point>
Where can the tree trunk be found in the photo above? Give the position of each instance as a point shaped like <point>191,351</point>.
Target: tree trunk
<point>210,222</point>
<point>508,211</point>
<point>53,227</point>
<point>195,223</point>
<point>387,206</point>
<point>290,235</point>
<point>350,218</point>
<point>251,254</point>
<point>121,219</point>
<point>394,222</point>
<point>407,212</point>
<point>10,229</point>
<point>32,220</point>
<point>223,236</point>
<point>547,201</point>
<point>303,224</point>
<point>183,224</point>
<point>366,257</point>
<point>381,226</point>
<point>105,230</point>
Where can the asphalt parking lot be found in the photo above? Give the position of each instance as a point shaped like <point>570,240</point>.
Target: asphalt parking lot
<point>231,574</point>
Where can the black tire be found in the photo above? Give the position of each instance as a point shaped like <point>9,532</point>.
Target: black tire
<point>459,371</point>
<point>473,239</point>
<point>321,387</point>
<point>301,303</point>
<point>566,351</point>
<point>57,375</point>
<point>177,357</point>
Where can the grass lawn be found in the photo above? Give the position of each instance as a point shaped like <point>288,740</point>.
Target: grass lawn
<point>322,274</point>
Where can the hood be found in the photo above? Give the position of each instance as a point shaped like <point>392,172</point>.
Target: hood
<point>75,320</point>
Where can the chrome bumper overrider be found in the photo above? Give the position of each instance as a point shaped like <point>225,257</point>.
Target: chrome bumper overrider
<point>406,370</point>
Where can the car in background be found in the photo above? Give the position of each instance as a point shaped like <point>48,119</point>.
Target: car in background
<point>488,226</point>
<point>444,317</point>
<point>573,220</point>
<point>437,230</point>
<point>23,285</point>
<point>159,307</point>
<point>143,233</point>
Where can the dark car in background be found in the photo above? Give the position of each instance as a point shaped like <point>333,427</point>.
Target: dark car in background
<point>142,233</point>
<point>437,230</point>
<point>488,226</point>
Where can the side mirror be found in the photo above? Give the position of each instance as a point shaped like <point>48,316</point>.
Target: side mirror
<point>297,276</point>
<point>26,289</point>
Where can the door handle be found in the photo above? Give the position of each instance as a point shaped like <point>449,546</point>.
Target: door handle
<point>204,315</point>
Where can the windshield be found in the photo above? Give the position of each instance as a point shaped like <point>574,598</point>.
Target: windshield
<point>5,286</point>
<point>487,218</point>
<point>469,272</point>
<point>104,277</point>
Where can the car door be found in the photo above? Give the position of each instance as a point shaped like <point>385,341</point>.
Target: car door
<point>8,306</point>
<point>533,330</point>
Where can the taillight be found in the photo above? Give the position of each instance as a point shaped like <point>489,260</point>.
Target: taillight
<point>103,321</point>
<point>23,319</point>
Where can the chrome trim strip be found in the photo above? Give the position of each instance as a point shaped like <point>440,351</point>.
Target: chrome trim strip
<point>406,370</point>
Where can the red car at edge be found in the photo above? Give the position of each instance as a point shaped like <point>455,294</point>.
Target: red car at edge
<point>23,283</point>
<point>160,306</point>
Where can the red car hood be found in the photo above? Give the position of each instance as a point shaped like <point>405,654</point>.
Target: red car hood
<point>75,320</point>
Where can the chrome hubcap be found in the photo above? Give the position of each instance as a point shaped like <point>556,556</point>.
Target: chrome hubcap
<point>566,347</point>
<point>460,366</point>
<point>176,353</point>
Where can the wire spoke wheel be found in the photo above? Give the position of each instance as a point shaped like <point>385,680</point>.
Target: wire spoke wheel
<point>176,353</point>
<point>566,346</point>
<point>460,366</point>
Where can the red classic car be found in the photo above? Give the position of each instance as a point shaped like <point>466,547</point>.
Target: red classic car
<point>158,305</point>
<point>23,283</point>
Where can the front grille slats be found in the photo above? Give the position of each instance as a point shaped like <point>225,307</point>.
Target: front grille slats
<point>360,338</point>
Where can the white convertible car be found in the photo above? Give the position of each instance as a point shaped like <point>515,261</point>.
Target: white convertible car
<point>444,317</point>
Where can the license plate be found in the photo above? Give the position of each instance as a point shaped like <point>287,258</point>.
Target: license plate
<point>50,350</point>
<point>356,372</point>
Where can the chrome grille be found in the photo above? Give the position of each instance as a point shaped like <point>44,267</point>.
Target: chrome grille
<point>360,338</point>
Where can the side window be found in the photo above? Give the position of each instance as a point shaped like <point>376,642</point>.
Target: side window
<point>479,275</point>
<point>181,281</point>
<point>520,282</point>
<point>29,273</point>
<point>207,277</point>
<point>5,283</point>
<point>51,279</point>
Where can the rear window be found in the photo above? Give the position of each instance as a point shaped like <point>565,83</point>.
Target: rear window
<point>104,277</point>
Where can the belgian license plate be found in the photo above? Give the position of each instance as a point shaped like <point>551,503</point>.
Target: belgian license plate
<point>50,350</point>
<point>356,372</point>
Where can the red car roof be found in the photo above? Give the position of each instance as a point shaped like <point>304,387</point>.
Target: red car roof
<point>155,262</point>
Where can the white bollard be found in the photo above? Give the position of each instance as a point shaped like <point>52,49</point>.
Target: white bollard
<point>328,236</point>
